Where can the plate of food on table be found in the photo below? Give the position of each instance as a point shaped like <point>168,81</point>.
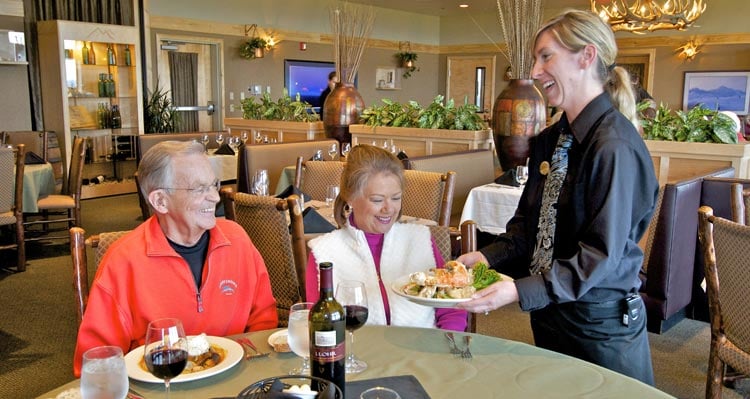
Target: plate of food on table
<point>448,286</point>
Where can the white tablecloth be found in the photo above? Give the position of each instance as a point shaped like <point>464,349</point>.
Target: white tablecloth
<point>491,206</point>
<point>224,166</point>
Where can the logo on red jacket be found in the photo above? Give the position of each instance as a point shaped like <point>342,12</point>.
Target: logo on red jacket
<point>228,287</point>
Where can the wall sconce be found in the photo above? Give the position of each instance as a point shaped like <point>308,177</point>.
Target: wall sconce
<point>689,50</point>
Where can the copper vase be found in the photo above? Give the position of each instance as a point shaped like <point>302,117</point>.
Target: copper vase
<point>519,114</point>
<point>341,109</point>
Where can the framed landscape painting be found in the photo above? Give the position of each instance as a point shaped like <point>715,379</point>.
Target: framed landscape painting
<point>720,91</point>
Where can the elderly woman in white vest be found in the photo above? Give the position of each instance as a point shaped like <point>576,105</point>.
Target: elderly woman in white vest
<point>371,246</point>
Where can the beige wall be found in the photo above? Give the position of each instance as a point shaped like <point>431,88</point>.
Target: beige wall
<point>15,112</point>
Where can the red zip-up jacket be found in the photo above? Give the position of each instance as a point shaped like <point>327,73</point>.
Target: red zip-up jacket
<point>141,278</point>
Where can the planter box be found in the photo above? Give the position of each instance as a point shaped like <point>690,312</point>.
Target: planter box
<point>282,131</point>
<point>678,160</point>
<point>417,142</point>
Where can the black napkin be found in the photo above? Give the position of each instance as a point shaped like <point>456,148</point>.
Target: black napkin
<point>508,178</point>
<point>225,149</point>
<point>32,159</point>
<point>407,386</point>
<point>291,189</point>
<point>402,155</point>
<point>315,222</point>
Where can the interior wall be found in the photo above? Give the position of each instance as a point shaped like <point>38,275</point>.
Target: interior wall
<point>15,110</point>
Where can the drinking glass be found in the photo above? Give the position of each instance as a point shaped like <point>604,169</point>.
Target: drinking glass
<point>258,138</point>
<point>345,148</point>
<point>103,374</point>
<point>166,349</point>
<point>352,296</point>
<point>260,182</point>
<point>204,140</point>
<point>379,393</point>
<point>234,143</point>
<point>243,137</point>
<point>298,335</point>
<point>333,151</point>
<point>219,138</point>
<point>331,193</point>
<point>522,174</point>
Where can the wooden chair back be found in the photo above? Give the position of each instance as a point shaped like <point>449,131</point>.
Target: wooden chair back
<point>266,223</point>
<point>428,195</point>
<point>78,244</point>
<point>740,204</point>
<point>314,177</point>
<point>11,201</point>
<point>725,253</point>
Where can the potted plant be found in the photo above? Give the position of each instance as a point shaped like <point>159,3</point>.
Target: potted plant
<point>698,125</point>
<point>159,115</point>
<point>407,60</point>
<point>253,47</point>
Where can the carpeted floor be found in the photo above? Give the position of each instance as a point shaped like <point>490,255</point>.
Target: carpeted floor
<point>38,326</point>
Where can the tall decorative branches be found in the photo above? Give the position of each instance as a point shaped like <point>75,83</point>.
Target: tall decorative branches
<point>519,20</point>
<point>351,27</point>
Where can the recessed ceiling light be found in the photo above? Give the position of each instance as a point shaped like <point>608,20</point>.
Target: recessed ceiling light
<point>463,6</point>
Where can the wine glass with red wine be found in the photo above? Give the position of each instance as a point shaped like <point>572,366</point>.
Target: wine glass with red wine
<point>352,296</point>
<point>166,349</point>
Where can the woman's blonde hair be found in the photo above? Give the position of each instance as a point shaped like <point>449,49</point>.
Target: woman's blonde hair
<point>363,162</point>
<point>574,30</point>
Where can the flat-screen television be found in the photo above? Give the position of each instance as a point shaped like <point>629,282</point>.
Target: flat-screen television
<point>308,78</point>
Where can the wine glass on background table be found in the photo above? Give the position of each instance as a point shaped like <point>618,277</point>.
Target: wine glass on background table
<point>332,192</point>
<point>333,150</point>
<point>234,143</point>
<point>345,149</point>
<point>298,335</point>
<point>352,296</point>
<point>243,137</point>
<point>103,373</point>
<point>205,140</point>
<point>166,349</point>
<point>522,174</point>
<point>219,138</point>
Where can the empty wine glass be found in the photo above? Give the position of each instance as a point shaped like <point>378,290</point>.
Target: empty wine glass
<point>352,296</point>
<point>204,140</point>
<point>522,174</point>
<point>298,335</point>
<point>333,151</point>
<point>260,182</point>
<point>103,374</point>
<point>219,138</point>
<point>166,349</point>
<point>243,137</point>
<point>345,149</point>
<point>258,138</point>
<point>332,192</point>
<point>234,143</point>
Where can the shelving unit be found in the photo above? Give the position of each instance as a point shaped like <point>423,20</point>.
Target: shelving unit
<point>74,98</point>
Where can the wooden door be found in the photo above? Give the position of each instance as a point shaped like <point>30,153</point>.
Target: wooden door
<point>472,78</point>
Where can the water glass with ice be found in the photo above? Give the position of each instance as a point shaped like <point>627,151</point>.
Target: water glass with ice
<point>103,374</point>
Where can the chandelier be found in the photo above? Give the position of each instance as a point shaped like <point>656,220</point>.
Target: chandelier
<point>641,16</point>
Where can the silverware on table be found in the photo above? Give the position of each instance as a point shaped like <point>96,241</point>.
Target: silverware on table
<point>246,343</point>
<point>466,353</point>
<point>452,344</point>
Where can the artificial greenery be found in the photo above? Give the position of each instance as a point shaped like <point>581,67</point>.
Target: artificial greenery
<point>284,109</point>
<point>698,125</point>
<point>437,115</point>
<point>404,57</point>
<point>247,49</point>
<point>159,115</point>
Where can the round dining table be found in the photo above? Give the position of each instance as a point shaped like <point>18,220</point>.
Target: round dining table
<point>38,182</point>
<point>499,368</point>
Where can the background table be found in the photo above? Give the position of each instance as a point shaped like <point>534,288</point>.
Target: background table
<point>500,368</point>
<point>38,182</point>
<point>491,206</point>
<point>224,166</point>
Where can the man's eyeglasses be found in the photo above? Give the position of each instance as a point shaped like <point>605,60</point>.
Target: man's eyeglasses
<point>200,190</point>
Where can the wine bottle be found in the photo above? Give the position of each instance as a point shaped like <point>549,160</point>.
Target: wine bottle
<point>327,333</point>
<point>128,59</point>
<point>111,57</point>
<point>85,54</point>
<point>92,54</point>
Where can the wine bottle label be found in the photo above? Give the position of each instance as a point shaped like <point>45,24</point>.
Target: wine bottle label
<point>328,354</point>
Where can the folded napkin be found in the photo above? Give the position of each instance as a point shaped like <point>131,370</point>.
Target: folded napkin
<point>291,189</point>
<point>407,386</point>
<point>32,159</point>
<point>508,178</point>
<point>315,222</point>
<point>225,149</point>
<point>402,155</point>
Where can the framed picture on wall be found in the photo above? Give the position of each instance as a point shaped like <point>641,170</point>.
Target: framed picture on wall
<point>386,78</point>
<point>640,64</point>
<point>720,91</point>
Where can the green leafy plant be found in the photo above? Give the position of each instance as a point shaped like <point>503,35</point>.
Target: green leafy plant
<point>698,125</point>
<point>407,60</point>
<point>437,115</point>
<point>247,49</point>
<point>284,109</point>
<point>159,115</point>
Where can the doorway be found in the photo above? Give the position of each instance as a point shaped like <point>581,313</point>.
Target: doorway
<point>190,69</point>
<point>472,78</point>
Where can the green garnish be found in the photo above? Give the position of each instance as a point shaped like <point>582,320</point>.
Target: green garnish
<point>484,276</point>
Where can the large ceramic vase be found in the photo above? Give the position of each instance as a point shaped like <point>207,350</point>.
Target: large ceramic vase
<point>518,115</point>
<point>341,109</point>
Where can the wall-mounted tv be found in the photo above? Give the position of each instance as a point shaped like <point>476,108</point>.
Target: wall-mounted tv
<point>308,78</point>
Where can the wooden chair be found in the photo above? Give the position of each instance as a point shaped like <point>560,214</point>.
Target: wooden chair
<point>284,253</point>
<point>78,244</point>
<point>11,201</point>
<point>314,177</point>
<point>428,195</point>
<point>444,236</point>
<point>725,253</point>
<point>43,143</point>
<point>740,204</point>
<point>68,202</point>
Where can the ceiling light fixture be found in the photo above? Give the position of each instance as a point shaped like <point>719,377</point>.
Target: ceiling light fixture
<point>641,16</point>
<point>463,6</point>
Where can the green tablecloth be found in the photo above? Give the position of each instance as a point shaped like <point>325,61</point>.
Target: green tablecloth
<point>38,182</point>
<point>499,369</point>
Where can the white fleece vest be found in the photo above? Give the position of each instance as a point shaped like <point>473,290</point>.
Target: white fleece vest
<point>407,248</point>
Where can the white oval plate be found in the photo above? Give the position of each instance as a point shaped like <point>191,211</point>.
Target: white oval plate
<point>272,338</point>
<point>234,355</point>
<point>431,302</point>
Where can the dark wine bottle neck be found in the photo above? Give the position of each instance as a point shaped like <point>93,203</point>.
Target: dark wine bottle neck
<point>326,280</point>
